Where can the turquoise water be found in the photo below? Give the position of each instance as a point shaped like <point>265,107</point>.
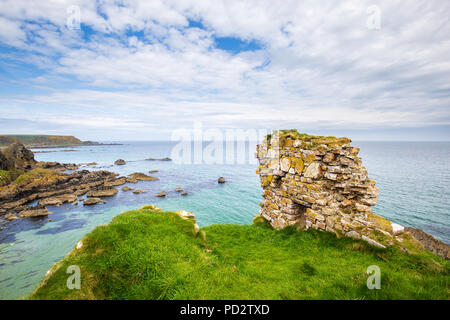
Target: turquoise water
<point>414,182</point>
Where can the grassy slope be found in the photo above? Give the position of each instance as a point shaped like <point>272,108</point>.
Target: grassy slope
<point>149,255</point>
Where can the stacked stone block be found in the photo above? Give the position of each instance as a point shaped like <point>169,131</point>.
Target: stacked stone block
<point>319,182</point>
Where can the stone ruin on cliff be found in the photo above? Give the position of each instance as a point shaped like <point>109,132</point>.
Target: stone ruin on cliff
<point>320,182</point>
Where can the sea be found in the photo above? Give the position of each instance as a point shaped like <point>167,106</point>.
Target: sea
<point>413,179</point>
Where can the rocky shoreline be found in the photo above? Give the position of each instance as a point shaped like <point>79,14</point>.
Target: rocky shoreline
<point>50,185</point>
<point>38,185</point>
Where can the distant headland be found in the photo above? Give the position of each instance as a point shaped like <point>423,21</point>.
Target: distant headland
<point>46,141</point>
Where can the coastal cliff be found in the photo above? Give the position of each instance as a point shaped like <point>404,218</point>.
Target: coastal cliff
<point>39,140</point>
<point>319,182</point>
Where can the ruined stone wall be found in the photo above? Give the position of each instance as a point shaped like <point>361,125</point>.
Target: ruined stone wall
<point>319,182</point>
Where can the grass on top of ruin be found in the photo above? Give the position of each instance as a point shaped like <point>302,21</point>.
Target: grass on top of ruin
<point>144,254</point>
<point>315,140</point>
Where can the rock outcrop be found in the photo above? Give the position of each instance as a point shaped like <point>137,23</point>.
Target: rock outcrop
<point>320,182</point>
<point>34,213</point>
<point>430,243</point>
<point>52,187</point>
<point>16,156</point>
<point>142,177</point>
<point>120,162</point>
<point>91,201</point>
<point>108,192</point>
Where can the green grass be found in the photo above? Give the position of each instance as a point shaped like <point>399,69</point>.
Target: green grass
<point>38,173</point>
<point>8,176</point>
<point>148,255</point>
<point>313,140</point>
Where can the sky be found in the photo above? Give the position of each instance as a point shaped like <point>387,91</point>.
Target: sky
<point>139,70</point>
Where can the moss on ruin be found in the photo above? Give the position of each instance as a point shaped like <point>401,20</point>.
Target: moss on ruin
<point>314,141</point>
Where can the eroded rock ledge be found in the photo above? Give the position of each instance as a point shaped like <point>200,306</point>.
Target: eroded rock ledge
<point>52,187</point>
<point>320,182</point>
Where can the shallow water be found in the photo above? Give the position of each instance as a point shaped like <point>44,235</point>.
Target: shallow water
<point>413,177</point>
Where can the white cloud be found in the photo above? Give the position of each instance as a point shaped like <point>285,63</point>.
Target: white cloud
<point>11,33</point>
<point>319,64</point>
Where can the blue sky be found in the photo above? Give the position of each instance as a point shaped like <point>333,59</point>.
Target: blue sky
<point>138,70</point>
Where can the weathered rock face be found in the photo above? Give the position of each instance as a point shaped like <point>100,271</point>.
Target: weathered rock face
<point>430,243</point>
<point>52,187</point>
<point>16,156</point>
<point>5,164</point>
<point>319,182</point>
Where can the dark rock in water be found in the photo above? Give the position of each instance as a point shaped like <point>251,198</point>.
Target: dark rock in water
<point>10,217</point>
<point>131,180</point>
<point>92,201</point>
<point>221,180</point>
<point>184,193</point>
<point>430,243</point>
<point>117,182</point>
<point>120,162</point>
<point>126,188</point>
<point>162,159</point>
<point>153,171</point>
<point>139,191</point>
<point>161,194</point>
<point>102,193</point>
<point>179,189</point>
<point>16,156</point>
<point>58,200</point>
<point>34,212</point>
<point>142,176</point>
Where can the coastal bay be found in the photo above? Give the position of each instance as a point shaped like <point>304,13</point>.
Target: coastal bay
<point>25,254</point>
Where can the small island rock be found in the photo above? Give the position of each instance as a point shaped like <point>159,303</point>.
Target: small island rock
<point>102,193</point>
<point>34,212</point>
<point>92,201</point>
<point>120,162</point>
<point>139,191</point>
<point>142,176</point>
